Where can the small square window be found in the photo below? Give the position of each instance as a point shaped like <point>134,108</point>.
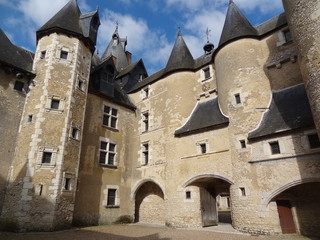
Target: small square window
<point>203,148</point>
<point>314,141</point>
<point>18,86</point>
<point>43,54</point>
<point>188,194</point>
<point>206,73</point>
<point>287,36</point>
<point>237,98</point>
<point>55,103</point>
<point>46,157</point>
<point>63,54</point>
<point>111,200</point>
<point>243,144</point>
<point>275,148</point>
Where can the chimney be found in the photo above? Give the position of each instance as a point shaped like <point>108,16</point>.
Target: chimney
<point>129,57</point>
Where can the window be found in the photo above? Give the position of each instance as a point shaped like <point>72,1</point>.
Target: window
<point>243,191</point>
<point>30,118</point>
<point>67,184</point>
<point>243,144</point>
<point>314,140</point>
<point>81,84</point>
<point>188,194</point>
<point>145,121</point>
<point>110,116</point>
<point>145,92</point>
<point>107,153</point>
<point>43,54</point>
<point>55,103</point>
<point>237,98</point>
<point>203,148</point>
<point>287,35</point>
<point>46,157</point>
<point>111,200</point>
<point>18,86</point>
<point>75,133</point>
<point>275,148</point>
<point>145,152</point>
<point>63,54</point>
<point>206,73</point>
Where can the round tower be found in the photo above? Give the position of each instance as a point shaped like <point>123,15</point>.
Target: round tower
<point>304,22</point>
<point>43,179</point>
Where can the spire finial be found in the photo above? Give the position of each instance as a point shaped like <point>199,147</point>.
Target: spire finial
<point>207,33</point>
<point>179,31</point>
<point>117,26</point>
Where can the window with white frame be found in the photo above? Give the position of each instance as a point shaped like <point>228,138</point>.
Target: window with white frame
<point>145,153</point>
<point>107,153</point>
<point>110,117</point>
<point>145,121</point>
<point>47,157</point>
<point>206,72</point>
<point>54,104</point>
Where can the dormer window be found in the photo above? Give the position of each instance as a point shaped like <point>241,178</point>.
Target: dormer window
<point>206,72</point>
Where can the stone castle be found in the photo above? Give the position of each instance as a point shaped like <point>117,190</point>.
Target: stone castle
<point>89,140</point>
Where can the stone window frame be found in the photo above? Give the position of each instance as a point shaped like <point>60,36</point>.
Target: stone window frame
<point>306,141</point>
<point>145,92</point>
<point>110,116</point>
<point>275,148</point>
<point>81,83</point>
<point>64,49</point>
<point>108,152</point>
<point>49,101</point>
<point>78,132</point>
<point>68,178</point>
<point>145,153</point>
<point>282,37</point>
<point>53,159</point>
<point>145,120</point>
<point>106,192</point>
<point>206,71</point>
<point>199,146</point>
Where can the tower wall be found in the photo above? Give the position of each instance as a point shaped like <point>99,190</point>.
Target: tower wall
<point>303,18</point>
<point>42,183</point>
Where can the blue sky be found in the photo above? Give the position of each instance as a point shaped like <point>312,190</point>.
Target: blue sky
<point>150,25</point>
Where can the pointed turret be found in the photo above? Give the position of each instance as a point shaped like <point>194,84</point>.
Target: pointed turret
<point>117,49</point>
<point>69,21</point>
<point>180,57</point>
<point>236,25</point>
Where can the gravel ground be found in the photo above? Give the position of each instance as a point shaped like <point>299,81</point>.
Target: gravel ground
<point>143,232</point>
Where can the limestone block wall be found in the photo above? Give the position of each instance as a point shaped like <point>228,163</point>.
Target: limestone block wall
<point>95,179</point>
<point>11,107</point>
<point>36,185</point>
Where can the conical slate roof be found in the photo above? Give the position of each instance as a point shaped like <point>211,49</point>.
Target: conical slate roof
<point>116,48</point>
<point>236,25</point>
<point>66,19</point>
<point>180,58</point>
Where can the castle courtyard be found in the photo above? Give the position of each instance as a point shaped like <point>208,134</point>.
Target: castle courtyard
<point>144,232</point>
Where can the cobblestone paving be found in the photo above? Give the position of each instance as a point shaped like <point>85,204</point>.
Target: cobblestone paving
<point>143,232</point>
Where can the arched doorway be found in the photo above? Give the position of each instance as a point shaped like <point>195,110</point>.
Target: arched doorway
<point>149,203</point>
<point>299,209</point>
<point>214,198</point>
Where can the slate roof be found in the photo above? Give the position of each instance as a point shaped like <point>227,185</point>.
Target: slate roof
<point>206,114</point>
<point>129,68</point>
<point>237,25</point>
<point>14,56</point>
<point>289,109</point>
<point>70,20</point>
<point>180,57</point>
<point>116,48</point>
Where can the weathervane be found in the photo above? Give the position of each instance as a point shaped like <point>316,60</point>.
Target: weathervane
<point>207,33</point>
<point>117,25</point>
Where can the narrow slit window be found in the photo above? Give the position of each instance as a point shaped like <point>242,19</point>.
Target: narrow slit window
<point>67,184</point>
<point>145,152</point>
<point>243,144</point>
<point>146,121</point>
<point>188,194</point>
<point>243,191</point>
<point>30,118</point>
<point>203,148</point>
<point>237,98</point>
<point>75,133</point>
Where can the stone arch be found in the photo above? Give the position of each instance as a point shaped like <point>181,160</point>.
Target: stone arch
<point>207,175</point>
<point>149,202</point>
<point>138,184</point>
<point>286,186</point>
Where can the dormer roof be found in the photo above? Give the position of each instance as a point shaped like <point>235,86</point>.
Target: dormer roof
<point>180,57</point>
<point>236,25</point>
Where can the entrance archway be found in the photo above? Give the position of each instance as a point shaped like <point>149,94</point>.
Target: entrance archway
<point>149,203</point>
<point>299,210</point>
<point>214,193</point>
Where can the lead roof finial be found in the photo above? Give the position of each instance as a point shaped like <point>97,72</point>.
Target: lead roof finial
<point>179,31</point>
<point>207,33</point>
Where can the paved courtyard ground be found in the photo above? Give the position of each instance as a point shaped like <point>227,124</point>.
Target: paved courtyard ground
<point>143,232</point>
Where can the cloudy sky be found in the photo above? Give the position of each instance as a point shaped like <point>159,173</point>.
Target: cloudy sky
<point>150,25</point>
